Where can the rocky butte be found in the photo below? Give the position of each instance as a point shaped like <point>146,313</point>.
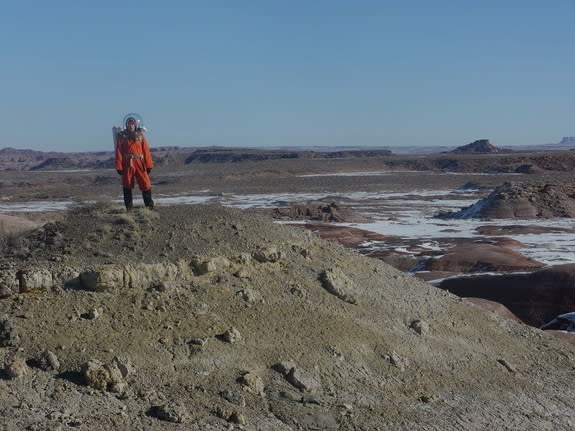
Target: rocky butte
<point>481,146</point>
<point>207,318</point>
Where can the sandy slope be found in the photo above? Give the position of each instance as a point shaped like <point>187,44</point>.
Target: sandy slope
<point>376,349</point>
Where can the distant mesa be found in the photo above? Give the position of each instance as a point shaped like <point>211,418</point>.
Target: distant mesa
<point>481,146</point>
<point>56,163</point>
<point>568,141</point>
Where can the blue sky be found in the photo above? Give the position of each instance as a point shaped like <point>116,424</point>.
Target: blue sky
<point>273,73</point>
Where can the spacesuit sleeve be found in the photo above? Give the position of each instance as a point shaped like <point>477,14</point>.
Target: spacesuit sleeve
<point>119,156</point>
<point>147,154</point>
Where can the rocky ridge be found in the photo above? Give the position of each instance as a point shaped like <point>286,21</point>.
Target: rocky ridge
<point>523,201</point>
<point>480,158</point>
<point>201,317</point>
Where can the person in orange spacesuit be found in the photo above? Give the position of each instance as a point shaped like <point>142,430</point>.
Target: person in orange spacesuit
<point>134,162</point>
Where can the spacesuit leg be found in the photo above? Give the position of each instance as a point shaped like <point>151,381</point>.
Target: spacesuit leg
<point>147,196</point>
<point>128,198</point>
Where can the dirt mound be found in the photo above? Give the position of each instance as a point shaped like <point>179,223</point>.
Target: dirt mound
<point>203,318</point>
<point>535,297</point>
<point>523,201</point>
<point>320,211</point>
<point>345,235</point>
<point>481,258</point>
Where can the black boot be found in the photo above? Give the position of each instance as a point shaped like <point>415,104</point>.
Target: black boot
<point>147,195</point>
<point>128,199</point>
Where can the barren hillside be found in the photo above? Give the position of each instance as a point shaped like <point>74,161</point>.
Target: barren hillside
<point>206,318</point>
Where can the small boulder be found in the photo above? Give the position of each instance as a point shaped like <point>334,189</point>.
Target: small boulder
<point>107,377</point>
<point>232,335</point>
<point>252,383</point>
<point>47,361</point>
<point>35,279</point>
<point>94,313</point>
<point>284,367</point>
<point>203,266</point>
<point>16,368</point>
<point>248,295</point>
<point>96,375</point>
<point>174,412</point>
<point>8,335</point>
<point>420,326</point>
<point>103,278</point>
<point>268,254</point>
<point>233,397</point>
<point>338,284</point>
<point>397,361</point>
<point>303,380</point>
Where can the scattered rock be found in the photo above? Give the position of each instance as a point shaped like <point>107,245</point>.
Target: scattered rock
<point>96,375</point>
<point>172,412</point>
<point>248,295</point>
<point>284,367</point>
<point>103,278</point>
<point>94,313</point>
<point>253,383</point>
<point>338,284</point>
<point>237,418</point>
<point>233,397</point>
<point>427,399</point>
<point>123,365</point>
<point>242,273</point>
<point>5,291</point>
<point>291,396</point>
<point>204,266</point>
<point>231,335</point>
<point>110,377</point>
<point>336,353</point>
<point>231,416</point>
<point>9,283</point>
<point>420,326</point>
<point>47,361</point>
<point>303,380</point>
<point>397,361</point>
<point>268,254</point>
<point>16,368</point>
<point>35,279</point>
<point>320,421</point>
<point>507,365</point>
<point>244,259</point>
<point>8,335</point>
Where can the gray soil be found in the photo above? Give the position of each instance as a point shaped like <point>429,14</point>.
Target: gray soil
<point>207,318</point>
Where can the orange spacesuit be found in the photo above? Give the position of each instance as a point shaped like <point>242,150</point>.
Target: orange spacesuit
<point>134,163</point>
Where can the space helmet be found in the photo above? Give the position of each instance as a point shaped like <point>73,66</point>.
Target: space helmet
<point>133,117</point>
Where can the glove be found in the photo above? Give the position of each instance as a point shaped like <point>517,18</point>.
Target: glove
<point>148,170</point>
<point>120,172</point>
